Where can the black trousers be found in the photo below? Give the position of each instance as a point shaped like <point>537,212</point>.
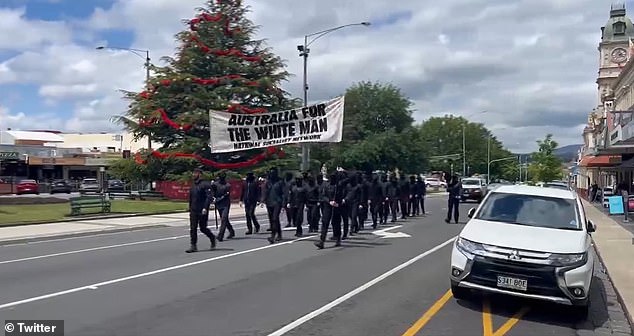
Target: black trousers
<point>298,218</point>
<point>404,207</point>
<point>390,207</point>
<point>331,216</point>
<point>422,203</point>
<point>313,217</point>
<point>414,206</point>
<point>344,211</point>
<point>363,214</point>
<point>376,211</point>
<point>289,216</point>
<point>453,205</point>
<point>273,212</point>
<point>196,221</point>
<point>249,209</point>
<point>353,215</point>
<point>224,222</point>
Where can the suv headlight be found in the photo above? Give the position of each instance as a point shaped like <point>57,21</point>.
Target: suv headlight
<point>557,259</point>
<point>469,248</point>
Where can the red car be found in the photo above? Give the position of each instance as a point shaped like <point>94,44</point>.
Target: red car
<point>27,187</point>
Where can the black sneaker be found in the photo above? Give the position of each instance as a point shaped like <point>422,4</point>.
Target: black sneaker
<point>192,250</point>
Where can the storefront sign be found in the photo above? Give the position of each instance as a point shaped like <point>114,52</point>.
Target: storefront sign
<point>9,156</point>
<point>40,161</point>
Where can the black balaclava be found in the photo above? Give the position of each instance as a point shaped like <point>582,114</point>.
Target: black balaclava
<point>311,181</point>
<point>298,181</point>
<point>384,178</point>
<point>412,178</point>
<point>273,175</point>
<point>375,178</point>
<point>354,180</point>
<point>222,178</point>
<point>288,177</point>
<point>250,177</point>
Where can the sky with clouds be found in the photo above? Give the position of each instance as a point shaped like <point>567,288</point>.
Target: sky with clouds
<point>531,64</point>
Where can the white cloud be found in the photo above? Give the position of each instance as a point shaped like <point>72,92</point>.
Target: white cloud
<point>530,63</point>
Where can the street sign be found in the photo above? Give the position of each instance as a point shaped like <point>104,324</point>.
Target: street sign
<point>9,155</point>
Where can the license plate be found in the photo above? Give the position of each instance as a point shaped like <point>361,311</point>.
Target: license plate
<point>512,283</point>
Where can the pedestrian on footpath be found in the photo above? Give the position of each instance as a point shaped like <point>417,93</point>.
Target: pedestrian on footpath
<point>222,201</point>
<point>250,196</point>
<point>200,199</point>
<point>453,204</point>
<point>274,199</point>
<point>333,198</point>
<point>297,198</point>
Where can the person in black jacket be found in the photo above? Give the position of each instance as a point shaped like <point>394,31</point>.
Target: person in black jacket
<point>421,190</point>
<point>222,200</point>
<point>312,201</point>
<point>385,204</point>
<point>352,201</point>
<point>364,210</point>
<point>403,196</point>
<point>199,201</point>
<point>376,197</point>
<point>391,197</point>
<point>333,198</point>
<point>274,199</point>
<point>297,198</point>
<point>288,183</point>
<point>250,196</point>
<point>414,197</point>
<point>453,204</point>
<point>320,204</point>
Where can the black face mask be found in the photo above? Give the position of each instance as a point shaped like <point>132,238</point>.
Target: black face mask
<point>298,183</point>
<point>273,175</point>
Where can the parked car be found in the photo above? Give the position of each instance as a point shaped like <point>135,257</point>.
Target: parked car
<point>528,242</point>
<point>473,189</point>
<point>27,187</point>
<point>60,186</point>
<point>432,182</point>
<point>89,185</point>
<point>116,185</point>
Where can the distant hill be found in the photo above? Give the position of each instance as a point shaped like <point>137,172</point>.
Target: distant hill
<point>566,154</point>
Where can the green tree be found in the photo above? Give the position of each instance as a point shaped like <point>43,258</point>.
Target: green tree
<point>377,132</point>
<point>218,64</point>
<point>545,165</point>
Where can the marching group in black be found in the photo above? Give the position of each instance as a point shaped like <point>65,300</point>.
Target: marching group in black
<point>344,201</point>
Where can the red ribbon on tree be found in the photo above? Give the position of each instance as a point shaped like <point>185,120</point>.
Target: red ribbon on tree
<point>211,81</point>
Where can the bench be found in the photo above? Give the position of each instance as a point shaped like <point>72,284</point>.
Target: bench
<point>88,202</point>
<point>148,194</point>
<point>120,194</point>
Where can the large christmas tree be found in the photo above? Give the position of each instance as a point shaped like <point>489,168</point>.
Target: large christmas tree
<point>218,66</point>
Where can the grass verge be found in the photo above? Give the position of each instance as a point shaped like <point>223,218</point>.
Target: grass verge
<point>37,213</point>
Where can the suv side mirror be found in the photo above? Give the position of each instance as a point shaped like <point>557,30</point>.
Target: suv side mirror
<point>471,212</point>
<point>591,227</point>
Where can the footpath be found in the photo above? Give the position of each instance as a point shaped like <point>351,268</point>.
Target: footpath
<point>86,227</point>
<point>615,246</point>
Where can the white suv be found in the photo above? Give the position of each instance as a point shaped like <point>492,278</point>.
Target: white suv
<point>528,242</point>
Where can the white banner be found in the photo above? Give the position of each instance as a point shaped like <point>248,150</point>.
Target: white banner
<point>231,132</point>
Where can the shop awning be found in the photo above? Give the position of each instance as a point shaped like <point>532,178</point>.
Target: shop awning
<point>600,161</point>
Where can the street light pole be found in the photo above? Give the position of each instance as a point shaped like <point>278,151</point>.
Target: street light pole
<point>498,160</point>
<point>489,159</point>
<point>303,52</point>
<point>147,72</point>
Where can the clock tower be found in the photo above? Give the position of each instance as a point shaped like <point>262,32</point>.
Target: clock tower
<point>614,49</point>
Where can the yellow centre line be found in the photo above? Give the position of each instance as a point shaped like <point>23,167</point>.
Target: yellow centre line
<point>511,322</point>
<point>433,310</point>
<point>487,320</point>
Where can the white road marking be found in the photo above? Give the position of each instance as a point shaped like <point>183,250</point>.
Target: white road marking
<point>356,291</point>
<point>384,234</point>
<point>91,249</point>
<point>146,274</point>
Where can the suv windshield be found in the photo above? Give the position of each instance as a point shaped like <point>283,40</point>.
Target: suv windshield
<point>540,211</point>
<point>470,182</point>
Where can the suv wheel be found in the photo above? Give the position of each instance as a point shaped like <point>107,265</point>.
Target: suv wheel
<point>460,293</point>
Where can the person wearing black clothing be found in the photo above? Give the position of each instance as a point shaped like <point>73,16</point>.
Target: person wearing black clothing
<point>199,202</point>
<point>344,180</point>
<point>250,196</point>
<point>288,184</point>
<point>391,198</point>
<point>453,204</point>
<point>385,204</point>
<point>413,203</point>
<point>222,200</point>
<point>352,201</point>
<point>376,198</point>
<point>274,199</point>
<point>403,196</point>
<point>364,210</point>
<point>421,190</point>
<point>312,203</point>
<point>333,198</point>
<point>297,198</point>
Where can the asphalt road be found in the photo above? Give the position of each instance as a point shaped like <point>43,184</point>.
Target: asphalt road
<point>142,283</point>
